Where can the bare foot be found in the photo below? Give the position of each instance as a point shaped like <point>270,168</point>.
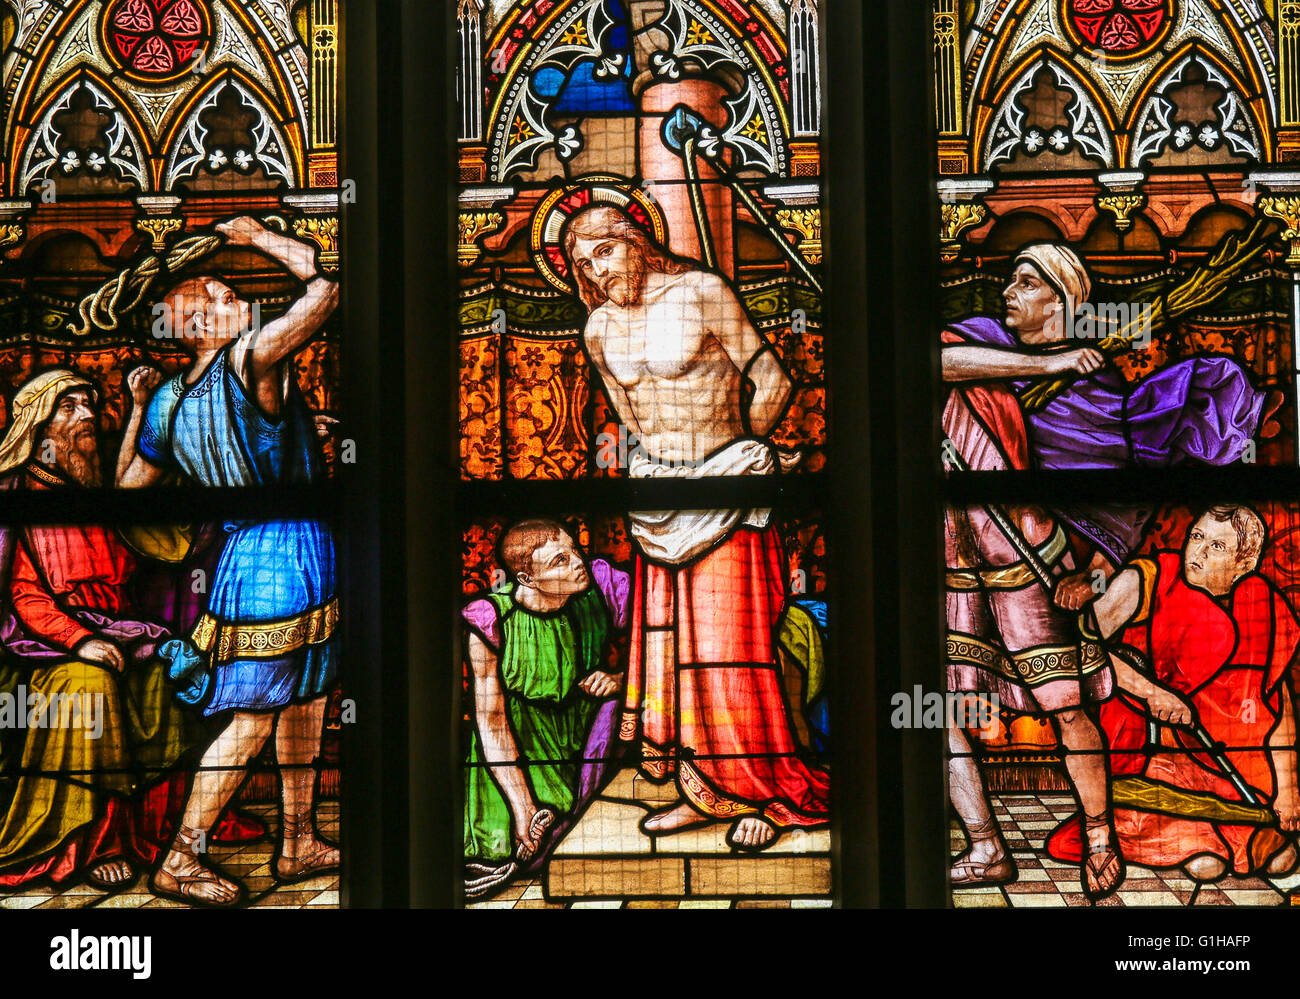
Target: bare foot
<point>110,874</point>
<point>752,833</point>
<point>183,878</point>
<point>1205,867</point>
<point>679,817</point>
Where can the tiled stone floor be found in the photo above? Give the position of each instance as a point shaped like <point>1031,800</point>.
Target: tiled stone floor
<point>251,864</point>
<point>529,895</point>
<point>605,855</point>
<point>1026,820</point>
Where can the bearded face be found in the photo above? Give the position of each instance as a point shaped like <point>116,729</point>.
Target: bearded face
<point>70,442</point>
<point>615,270</point>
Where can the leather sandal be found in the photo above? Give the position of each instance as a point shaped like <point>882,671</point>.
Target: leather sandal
<point>968,873</point>
<point>1096,883</point>
<point>181,887</point>
<point>290,870</point>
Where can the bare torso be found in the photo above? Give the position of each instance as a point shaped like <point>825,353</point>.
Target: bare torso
<point>679,386</point>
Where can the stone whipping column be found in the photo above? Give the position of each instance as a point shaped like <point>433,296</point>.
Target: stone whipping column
<point>665,174</point>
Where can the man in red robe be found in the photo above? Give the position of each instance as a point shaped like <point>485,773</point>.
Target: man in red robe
<point>75,640</point>
<point>1220,641</point>
<point>699,390</point>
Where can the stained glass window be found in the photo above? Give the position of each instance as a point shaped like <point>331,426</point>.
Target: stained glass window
<point>169,257</point>
<point>1118,356</point>
<point>641,299</point>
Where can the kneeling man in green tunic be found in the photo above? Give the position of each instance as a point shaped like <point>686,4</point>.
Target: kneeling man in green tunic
<point>545,700</point>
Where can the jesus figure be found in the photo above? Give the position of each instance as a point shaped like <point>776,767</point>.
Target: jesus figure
<point>699,390</point>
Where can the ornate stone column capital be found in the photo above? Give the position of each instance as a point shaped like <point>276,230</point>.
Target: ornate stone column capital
<point>1286,209</point>
<point>959,211</point>
<point>1122,207</point>
<point>319,222</point>
<point>956,218</point>
<point>807,222</point>
<point>160,219</point>
<point>1121,196</point>
<point>479,216</point>
<point>473,226</point>
<point>12,230</point>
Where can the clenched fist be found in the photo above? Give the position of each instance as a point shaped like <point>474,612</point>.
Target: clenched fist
<point>142,381</point>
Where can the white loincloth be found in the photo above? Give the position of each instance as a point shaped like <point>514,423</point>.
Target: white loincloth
<point>672,537</point>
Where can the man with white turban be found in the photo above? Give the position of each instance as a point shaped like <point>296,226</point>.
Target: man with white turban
<point>1202,409</point>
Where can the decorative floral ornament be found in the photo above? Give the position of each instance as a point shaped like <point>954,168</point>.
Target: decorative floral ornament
<point>569,143</point>
<point>1120,29</point>
<point>155,39</point>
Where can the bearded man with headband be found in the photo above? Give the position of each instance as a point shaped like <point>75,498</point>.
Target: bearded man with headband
<point>87,803</point>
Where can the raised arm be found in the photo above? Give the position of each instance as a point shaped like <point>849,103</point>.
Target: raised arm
<point>282,338</point>
<point>133,471</point>
<point>749,351</point>
<point>968,362</point>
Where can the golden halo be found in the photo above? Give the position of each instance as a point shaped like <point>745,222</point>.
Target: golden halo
<point>556,208</point>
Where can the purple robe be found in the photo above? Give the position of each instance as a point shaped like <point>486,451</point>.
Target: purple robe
<point>1201,409</point>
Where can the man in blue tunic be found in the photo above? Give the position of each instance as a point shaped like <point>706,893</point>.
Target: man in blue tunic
<point>235,419</point>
